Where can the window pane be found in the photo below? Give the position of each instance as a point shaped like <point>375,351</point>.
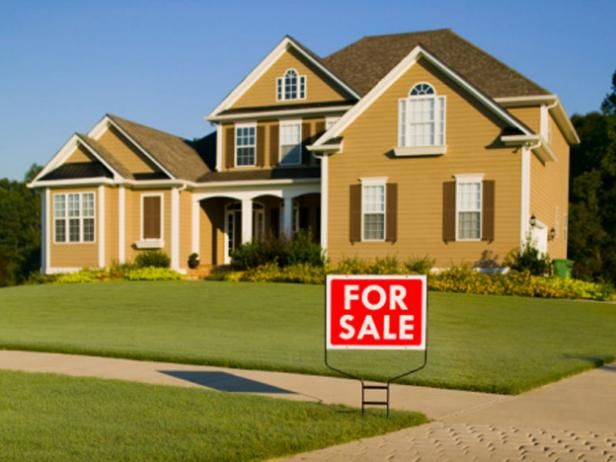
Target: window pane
<point>88,230</point>
<point>73,229</point>
<point>59,205</point>
<point>73,205</point>
<point>373,198</point>
<point>468,225</point>
<point>469,196</point>
<point>290,144</point>
<point>245,140</point>
<point>88,205</point>
<point>60,230</point>
<point>374,226</point>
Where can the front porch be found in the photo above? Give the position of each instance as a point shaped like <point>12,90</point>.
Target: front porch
<point>224,219</point>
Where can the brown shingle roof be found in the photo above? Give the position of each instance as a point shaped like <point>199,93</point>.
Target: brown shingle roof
<point>364,63</point>
<point>264,174</point>
<point>177,155</point>
<point>76,170</point>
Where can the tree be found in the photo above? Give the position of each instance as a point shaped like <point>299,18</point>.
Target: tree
<point>19,229</point>
<point>592,236</point>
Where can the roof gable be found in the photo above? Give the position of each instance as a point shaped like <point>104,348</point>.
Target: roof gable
<point>396,73</point>
<point>364,63</point>
<point>292,49</point>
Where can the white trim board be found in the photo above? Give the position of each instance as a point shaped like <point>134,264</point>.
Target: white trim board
<point>403,66</point>
<point>282,112</point>
<point>285,44</point>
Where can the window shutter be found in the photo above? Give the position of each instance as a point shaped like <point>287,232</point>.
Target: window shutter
<point>230,147</point>
<point>449,211</point>
<point>391,214</point>
<point>487,232</point>
<point>355,213</point>
<point>306,155</point>
<point>151,218</point>
<point>274,145</point>
<point>260,146</point>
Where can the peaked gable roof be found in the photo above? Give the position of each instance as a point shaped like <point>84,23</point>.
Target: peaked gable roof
<point>286,43</point>
<point>365,62</point>
<point>176,155</point>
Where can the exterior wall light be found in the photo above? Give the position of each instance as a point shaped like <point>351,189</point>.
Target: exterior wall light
<point>552,234</point>
<point>533,221</point>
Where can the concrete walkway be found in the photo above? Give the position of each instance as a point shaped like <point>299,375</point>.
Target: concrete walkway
<point>573,419</point>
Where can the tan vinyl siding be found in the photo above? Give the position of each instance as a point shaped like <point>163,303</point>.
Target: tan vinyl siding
<point>126,153</point>
<point>529,115</point>
<point>80,154</point>
<point>73,255</point>
<point>271,147</point>
<point>263,91</point>
<point>111,225</point>
<point>133,220</point>
<point>472,147</point>
<point>211,231</point>
<point>185,227</point>
<point>550,191</point>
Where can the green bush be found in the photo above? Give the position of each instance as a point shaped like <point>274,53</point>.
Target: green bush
<point>152,273</point>
<point>283,252</point>
<point>153,258</point>
<point>529,259</point>
<point>419,265</point>
<point>83,276</point>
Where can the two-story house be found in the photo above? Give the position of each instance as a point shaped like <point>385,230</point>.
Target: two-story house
<point>406,145</point>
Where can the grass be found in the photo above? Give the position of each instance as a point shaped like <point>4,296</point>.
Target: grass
<point>54,418</point>
<point>476,342</point>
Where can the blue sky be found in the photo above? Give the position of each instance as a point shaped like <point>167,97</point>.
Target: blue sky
<point>168,63</point>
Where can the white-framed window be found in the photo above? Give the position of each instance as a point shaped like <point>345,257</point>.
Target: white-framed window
<point>74,217</point>
<point>290,142</point>
<point>421,118</point>
<point>152,217</point>
<point>245,144</point>
<point>291,86</point>
<point>373,197</point>
<point>469,199</point>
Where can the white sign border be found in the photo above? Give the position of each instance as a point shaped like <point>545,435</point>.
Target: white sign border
<point>424,311</point>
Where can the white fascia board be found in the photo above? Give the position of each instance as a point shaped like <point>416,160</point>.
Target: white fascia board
<point>556,109</point>
<point>536,143</point>
<point>263,66</point>
<point>281,113</point>
<point>244,183</point>
<point>96,181</point>
<point>403,66</point>
<point>64,153</point>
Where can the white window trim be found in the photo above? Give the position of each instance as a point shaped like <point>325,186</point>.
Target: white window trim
<point>437,148</point>
<point>67,219</point>
<point>281,81</point>
<point>374,181</point>
<point>144,243</point>
<point>287,122</point>
<point>470,178</point>
<point>244,125</point>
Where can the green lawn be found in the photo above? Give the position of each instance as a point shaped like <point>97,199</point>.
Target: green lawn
<point>54,418</point>
<point>488,343</point>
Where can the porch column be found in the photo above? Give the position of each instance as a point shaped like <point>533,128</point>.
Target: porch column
<point>287,218</point>
<point>246,220</point>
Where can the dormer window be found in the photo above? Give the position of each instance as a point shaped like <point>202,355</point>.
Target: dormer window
<point>291,86</point>
<point>421,122</point>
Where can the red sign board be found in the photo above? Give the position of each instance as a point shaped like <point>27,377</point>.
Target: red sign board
<point>376,312</point>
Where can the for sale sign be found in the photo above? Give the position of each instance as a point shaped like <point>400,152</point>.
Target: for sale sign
<point>376,312</point>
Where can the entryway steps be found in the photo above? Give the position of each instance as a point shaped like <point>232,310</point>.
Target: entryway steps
<point>202,272</point>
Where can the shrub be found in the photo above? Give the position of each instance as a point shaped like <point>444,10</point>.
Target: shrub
<point>153,258</point>
<point>529,259</point>
<point>83,276</point>
<point>283,252</point>
<point>118,270</point>
<point>152,273</point>
<point>416,265</point>
<point>351,266</point>
<point>36,277</point>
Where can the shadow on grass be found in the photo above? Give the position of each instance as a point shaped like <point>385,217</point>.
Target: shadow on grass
<point>595,361</point>
<point>224,381</point>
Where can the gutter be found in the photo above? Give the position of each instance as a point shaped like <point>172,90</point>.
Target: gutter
<point>539,146</point>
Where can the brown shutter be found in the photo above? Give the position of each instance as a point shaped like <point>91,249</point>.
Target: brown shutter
<point>274,145</point>
<point>151,217</point>
<point>487,233</point>
<point>355,213</point>
<point>230,147</point>
<point>306,140</point>
<point>449,211</point>
<point>391,215</point>
<point>260,146</point>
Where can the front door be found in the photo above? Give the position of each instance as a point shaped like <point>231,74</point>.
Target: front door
<point>233,226</point>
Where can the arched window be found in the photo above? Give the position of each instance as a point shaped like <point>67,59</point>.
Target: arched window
<point>421,117</point>
<point>291,86</point>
